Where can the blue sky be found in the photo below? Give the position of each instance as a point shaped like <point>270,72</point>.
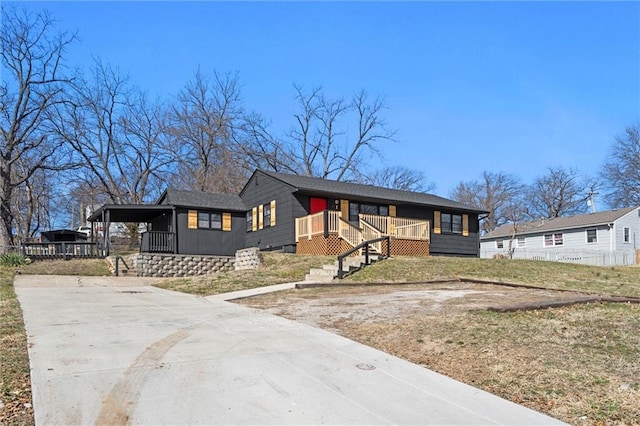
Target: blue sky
<point>510,87</point>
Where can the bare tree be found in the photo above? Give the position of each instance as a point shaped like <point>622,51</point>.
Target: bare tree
<point>204,120</point>
<point>400,177</point>
<point>117,136</point>
<point>33,83</point>
<point>331,137</point>
<point>497,193</point>
<point>621,173</point>
<point>561,192</point>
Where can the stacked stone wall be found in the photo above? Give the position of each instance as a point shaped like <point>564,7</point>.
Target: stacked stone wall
<point>248,258</point>
<point>180,265</point>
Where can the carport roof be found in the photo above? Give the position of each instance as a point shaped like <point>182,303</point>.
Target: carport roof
<point>130,212</point>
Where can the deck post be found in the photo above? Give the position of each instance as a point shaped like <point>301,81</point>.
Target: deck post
<point>326,223</point>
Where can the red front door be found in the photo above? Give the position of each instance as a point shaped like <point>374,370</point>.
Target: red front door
<point>318,205</point>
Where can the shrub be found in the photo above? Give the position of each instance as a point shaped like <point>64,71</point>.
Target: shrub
<point>12,259</point>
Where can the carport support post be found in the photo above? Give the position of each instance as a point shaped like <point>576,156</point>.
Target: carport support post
<point>174,229</point>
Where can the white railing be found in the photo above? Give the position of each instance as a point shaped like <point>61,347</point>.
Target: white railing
<point>580,256</point>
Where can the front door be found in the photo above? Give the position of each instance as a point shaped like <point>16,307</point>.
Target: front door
<point>317,205</point>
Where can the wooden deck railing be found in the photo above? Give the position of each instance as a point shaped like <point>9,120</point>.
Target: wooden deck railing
<point>349,233</point>
<point>62,250</point>
<point>371,233</point>
<point>370,227</point>
<point>399,227</point>
<point>157,242</point>
<point>314,224</point>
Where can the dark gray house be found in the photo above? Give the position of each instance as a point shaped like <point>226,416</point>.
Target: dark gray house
<point>318,216</point>
<point>300,214</point>
<point>182,222</point>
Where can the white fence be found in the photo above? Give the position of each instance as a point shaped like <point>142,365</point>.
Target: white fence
<point>584,257</point>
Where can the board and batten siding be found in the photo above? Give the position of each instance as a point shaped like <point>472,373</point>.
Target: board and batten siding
<point>210,241</point>
<point>443,243</point>
<point>263,189</point>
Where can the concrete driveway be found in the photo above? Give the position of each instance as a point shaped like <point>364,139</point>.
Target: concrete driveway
<point>118,351</point>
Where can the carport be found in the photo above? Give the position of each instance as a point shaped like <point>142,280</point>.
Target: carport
<point>153,241</point>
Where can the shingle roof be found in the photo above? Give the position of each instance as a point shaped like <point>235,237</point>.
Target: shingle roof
<point>348,189</point>
<point>560,223</point>
<point>179,197</point>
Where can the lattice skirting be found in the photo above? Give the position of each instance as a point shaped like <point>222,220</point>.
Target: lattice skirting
<point>333,245</point>
<point>401,247</point>
<point>320,246</point>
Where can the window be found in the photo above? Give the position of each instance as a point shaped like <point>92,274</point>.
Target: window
<point>266,215</point>
<point>373,209</point>
<point>521,241</point>
<point>249,221</point>
<point>551,240</point>
<point>626,235</point>
<point>354,209</point>
<point>451,223</point>
<point>500,244</point>
<point>456,223</point>
<point>208,220</point>
<point>592,236</point>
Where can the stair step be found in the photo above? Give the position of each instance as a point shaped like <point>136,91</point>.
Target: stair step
<point>322,272</point>
<point>330,267</point>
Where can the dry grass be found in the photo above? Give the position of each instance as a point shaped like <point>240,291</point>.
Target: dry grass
<point>620,280</point>
<point>277,268</point>
<point>578,364</point>
<point>83,267</point>
<point>15,384</point>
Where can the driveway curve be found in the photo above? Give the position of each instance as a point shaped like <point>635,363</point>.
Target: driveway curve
<point>119,351</point>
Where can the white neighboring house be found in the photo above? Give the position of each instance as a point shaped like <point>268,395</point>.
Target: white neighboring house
<point>603,239</point>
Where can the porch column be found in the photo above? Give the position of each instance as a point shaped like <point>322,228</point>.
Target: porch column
<point>105,231</point>
<point>174,229</point>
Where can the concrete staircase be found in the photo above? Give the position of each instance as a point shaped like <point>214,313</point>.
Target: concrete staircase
<point>126,265</point>
<point>328,272</point>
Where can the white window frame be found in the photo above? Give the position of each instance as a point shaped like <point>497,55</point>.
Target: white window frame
<point>626,235</point>
<point>499,244</point>
<point>554,239</point>
<point>595,241</point>
<point>522,242</point>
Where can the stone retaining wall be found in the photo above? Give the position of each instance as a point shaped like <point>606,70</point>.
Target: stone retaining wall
<point>248,258</point>
<point>180,265</point>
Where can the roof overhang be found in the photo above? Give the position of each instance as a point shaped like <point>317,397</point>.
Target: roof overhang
<point>136,213</point>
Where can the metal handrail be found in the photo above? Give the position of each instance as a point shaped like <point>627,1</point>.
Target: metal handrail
<point>365,245</point>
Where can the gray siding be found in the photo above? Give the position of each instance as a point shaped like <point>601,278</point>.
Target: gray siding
<point>446,244</point>
<point>210,241</point>
<point>632,221</point>
<point>262,189</point>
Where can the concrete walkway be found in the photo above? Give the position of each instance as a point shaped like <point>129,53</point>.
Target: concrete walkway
<point>118,351</point>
